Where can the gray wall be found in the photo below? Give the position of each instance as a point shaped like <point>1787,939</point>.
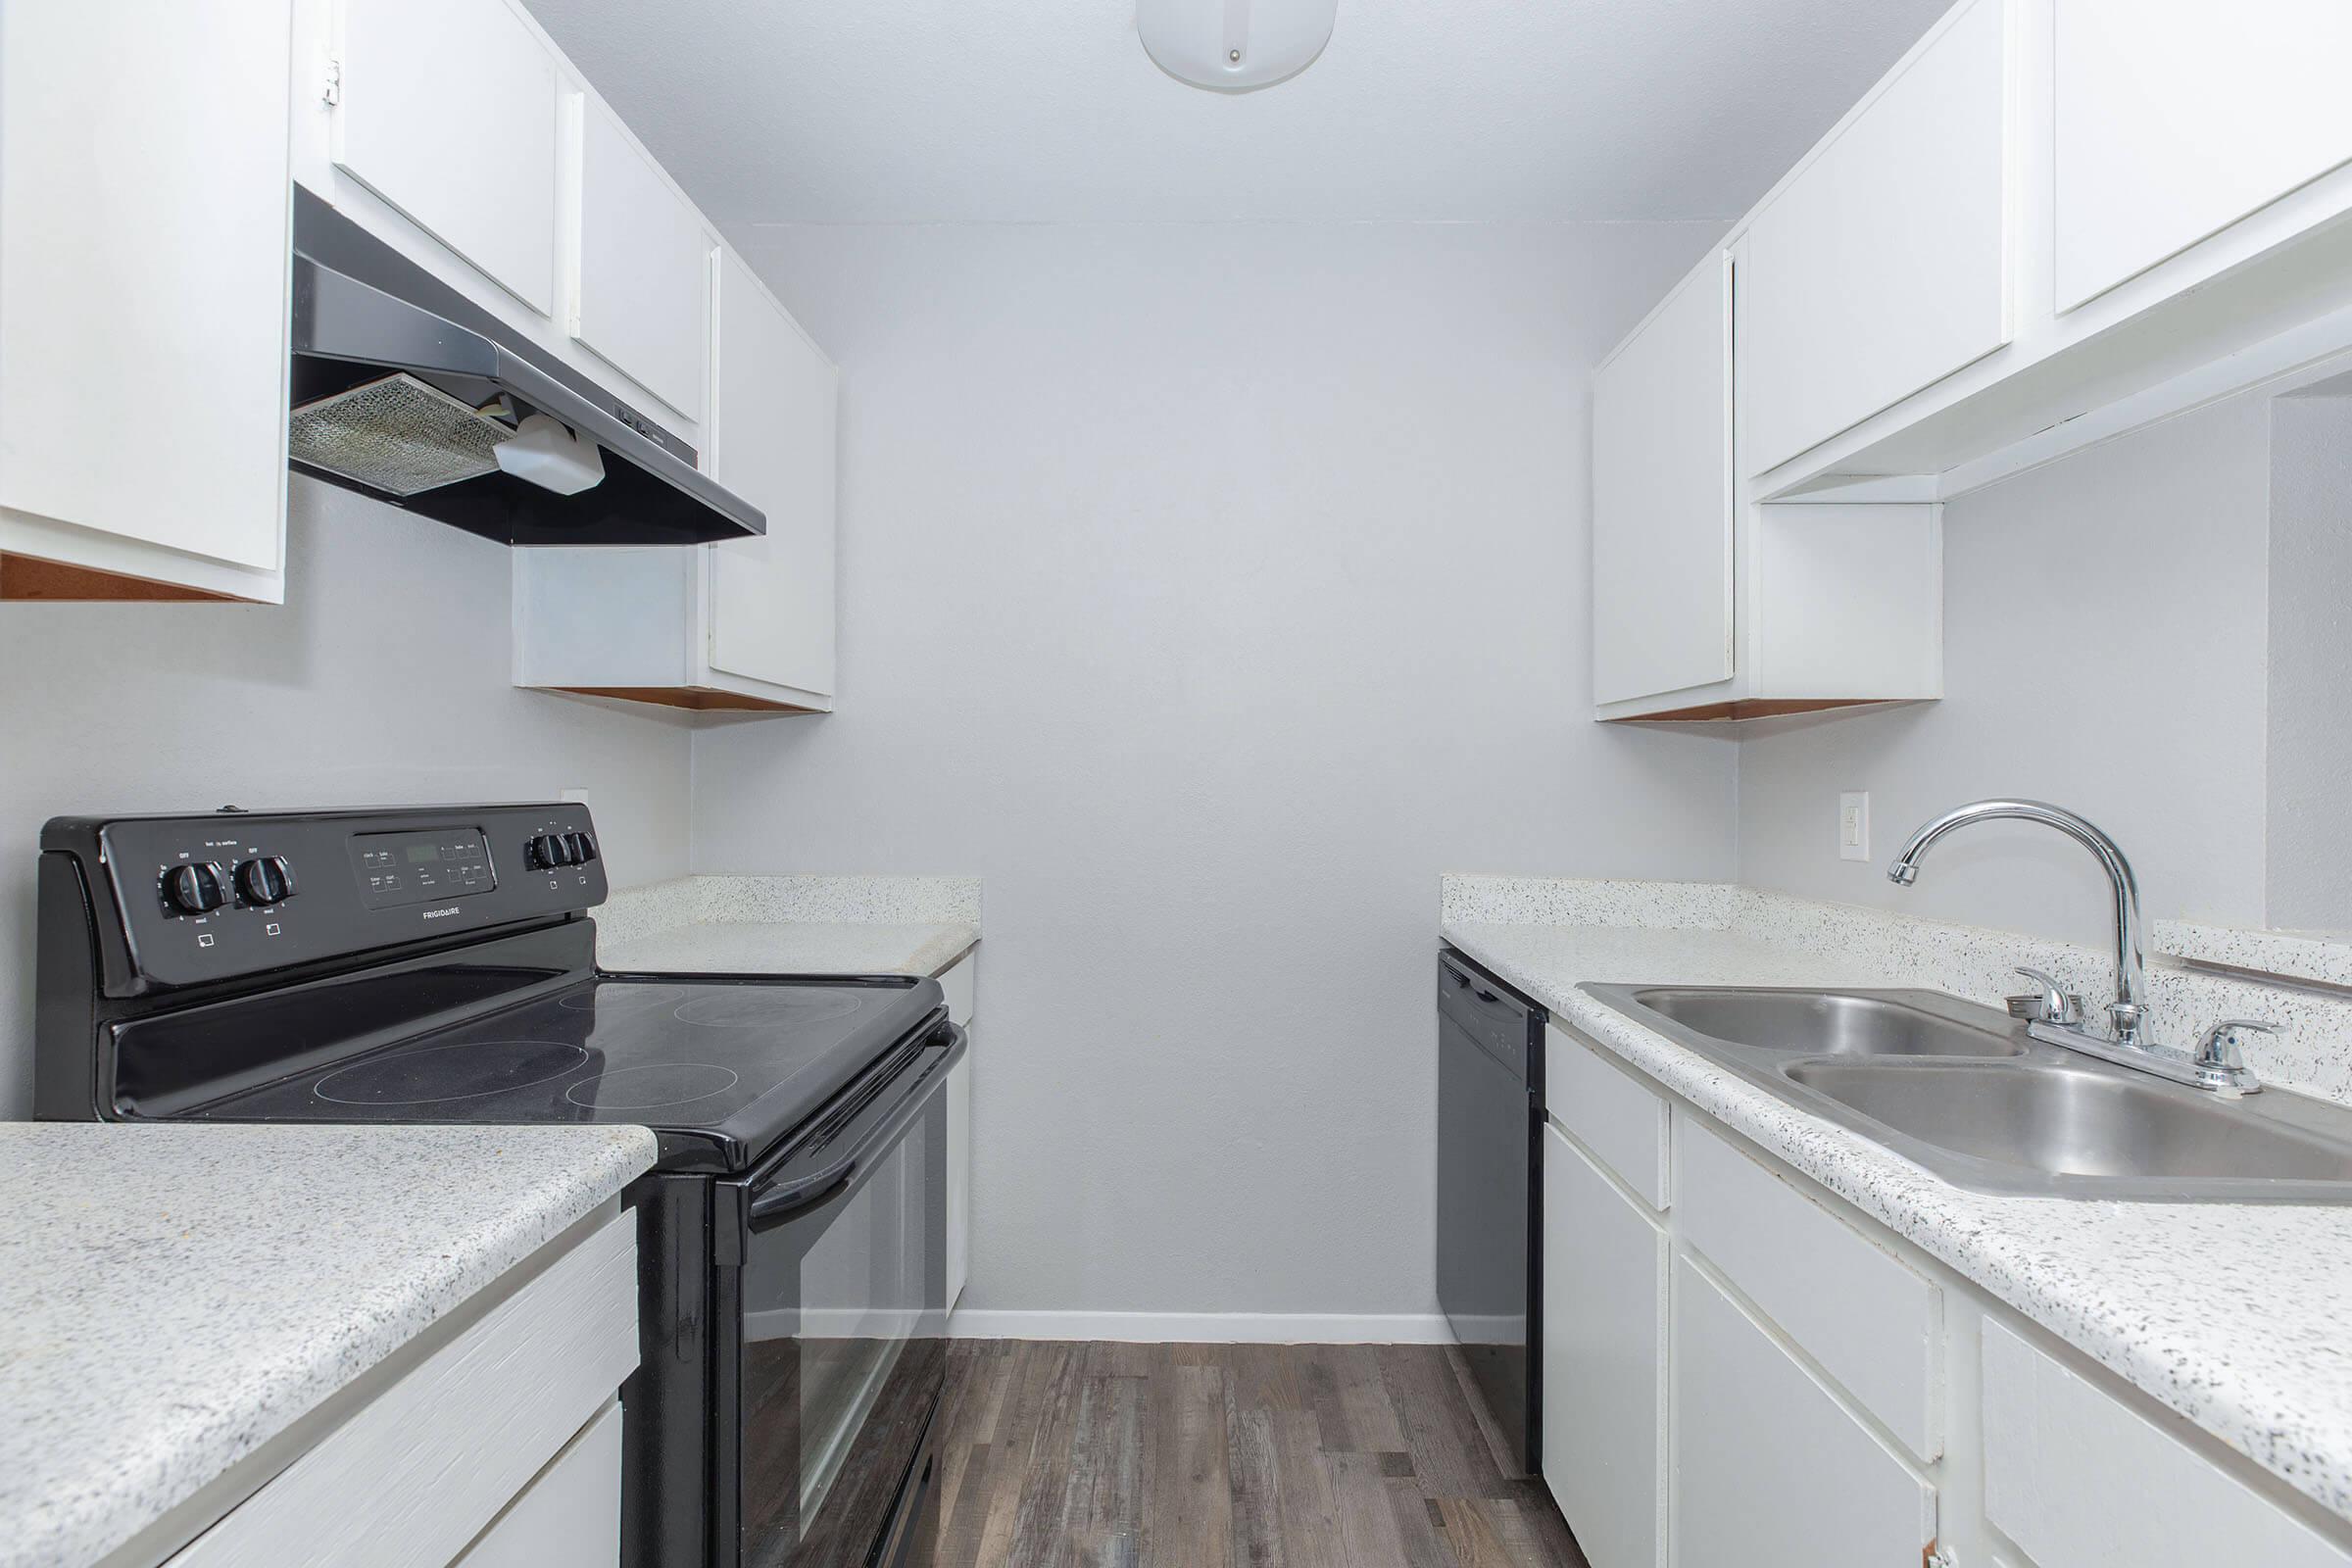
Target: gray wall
<point>2309,854</point>
<point>1208,591</point>
<point>2105,648</point>
<point>383,679</point>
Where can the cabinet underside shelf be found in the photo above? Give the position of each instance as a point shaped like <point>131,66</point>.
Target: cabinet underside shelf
<point>1754,708</point>
<point>699,699</point>
<point>29,579</point>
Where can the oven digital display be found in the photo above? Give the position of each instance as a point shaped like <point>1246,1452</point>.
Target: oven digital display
<point>399,869</point>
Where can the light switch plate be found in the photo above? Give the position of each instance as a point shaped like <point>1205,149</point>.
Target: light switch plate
<point>1853,825</point>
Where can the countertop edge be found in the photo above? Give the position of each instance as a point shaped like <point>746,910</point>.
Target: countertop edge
<point>765,946</point>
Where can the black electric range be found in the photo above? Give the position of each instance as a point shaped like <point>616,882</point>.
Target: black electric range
<point>437,965</point>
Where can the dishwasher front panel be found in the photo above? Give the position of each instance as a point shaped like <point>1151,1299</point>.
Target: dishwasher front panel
<point>1490,1094</point>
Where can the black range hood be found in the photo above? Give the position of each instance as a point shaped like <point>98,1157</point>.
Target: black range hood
<point>411,382</point>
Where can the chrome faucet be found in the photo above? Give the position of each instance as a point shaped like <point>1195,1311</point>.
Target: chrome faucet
<point>2131,1004</point>
<point>2057,1017</point>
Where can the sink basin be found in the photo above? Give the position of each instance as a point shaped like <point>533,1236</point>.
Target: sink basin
<point>1837,1023</point>
<point>1963,1090</point>
<point>2056,1119</point>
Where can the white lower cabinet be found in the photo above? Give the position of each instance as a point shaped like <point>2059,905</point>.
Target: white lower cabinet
<point>1747,1370</point>
<point>959,1179</point>
<point>2079,1480</point>
<point>1604,1386</point>
<point>501,1446</point>
<point>1872,1323</point>
<point>961,984</point>
<point>1769,1467</point>
<point>569,1515</point>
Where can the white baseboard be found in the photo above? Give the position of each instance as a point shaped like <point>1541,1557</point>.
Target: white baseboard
<point>1205,1328</point>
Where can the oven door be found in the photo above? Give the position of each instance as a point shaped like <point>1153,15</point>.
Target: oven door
<point>830,1343</point>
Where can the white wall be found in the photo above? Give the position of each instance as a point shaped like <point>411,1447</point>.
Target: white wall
<point>384,679</point>
<point>2105,648</point>
<point>1208,591</point>
<point>2308,853</point>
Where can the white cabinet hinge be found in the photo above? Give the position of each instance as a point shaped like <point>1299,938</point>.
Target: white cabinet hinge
<point>333,95</point>
<point>1937,1557</point>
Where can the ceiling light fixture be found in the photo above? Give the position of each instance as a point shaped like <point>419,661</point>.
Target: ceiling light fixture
<point>1235,45</point>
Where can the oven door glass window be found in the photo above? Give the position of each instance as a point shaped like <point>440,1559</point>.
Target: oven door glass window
<point>843,1356</point>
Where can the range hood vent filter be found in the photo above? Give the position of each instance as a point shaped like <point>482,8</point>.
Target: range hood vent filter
<point>404,389</point>
<point>397,435</point>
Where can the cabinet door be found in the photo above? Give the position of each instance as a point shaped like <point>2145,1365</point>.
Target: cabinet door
<point>143,264</point>
<point>961,984</point>
<point>2177,118</point>
<point>1869,1321</point>
<point>1662,497</point>
<point>959,1177</point>
<point>1767,1468</point>
<point>423,84</point>
<point>1604,1382</point>
<point>2079,1480</point>
<point>570,1514</point>
<point>1880,267</point>
<point>772,442</point>
<point>642,266</point>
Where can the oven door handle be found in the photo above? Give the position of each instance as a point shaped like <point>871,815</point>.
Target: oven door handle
<point>786,1196</point>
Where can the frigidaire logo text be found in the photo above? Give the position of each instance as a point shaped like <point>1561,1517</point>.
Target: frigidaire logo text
<point>435,914</point>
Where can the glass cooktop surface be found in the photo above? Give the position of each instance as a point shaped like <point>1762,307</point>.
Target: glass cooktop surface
<point>727,1066</point>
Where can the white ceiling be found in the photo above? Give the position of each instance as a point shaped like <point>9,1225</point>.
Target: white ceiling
<point>939,110</point>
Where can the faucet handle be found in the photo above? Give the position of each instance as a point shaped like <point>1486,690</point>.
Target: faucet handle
<point>2053,1003</point>
<point>2221,1062</point>
<point>2223,1044</point>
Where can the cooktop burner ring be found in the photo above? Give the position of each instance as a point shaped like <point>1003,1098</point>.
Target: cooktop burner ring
<point>619,998</point>
<point>652,1086</point>
<point>519,1064</point>
<point>766,1007</point>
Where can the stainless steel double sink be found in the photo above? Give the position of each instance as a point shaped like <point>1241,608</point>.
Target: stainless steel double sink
<point>1961,1090</point>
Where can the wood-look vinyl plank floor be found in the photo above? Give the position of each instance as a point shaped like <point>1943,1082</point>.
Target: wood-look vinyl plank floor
<point>1101,1456</point>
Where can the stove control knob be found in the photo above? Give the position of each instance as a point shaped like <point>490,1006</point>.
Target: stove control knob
<point>266,880</point>
<point>582,848</point>
<point>549,850</point>
<point>194,889</point>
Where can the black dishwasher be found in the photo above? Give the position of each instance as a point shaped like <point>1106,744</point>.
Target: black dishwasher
<point>1489,1198</point>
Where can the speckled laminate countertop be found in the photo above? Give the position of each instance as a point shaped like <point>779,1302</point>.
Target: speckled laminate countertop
<point>2238,1316</point>
<point>172,1298</point>
<point>794,947</point>
<point>791,924</point>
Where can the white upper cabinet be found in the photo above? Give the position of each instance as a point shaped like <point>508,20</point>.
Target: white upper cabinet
<point>640,265</point>
<point>1662,496</point>
<point>143,308</point>
<point>2177,118</point>
<point>448,110</point>
<point>746,627</point>
<point>772,428</point>
<point>1880,266</point>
